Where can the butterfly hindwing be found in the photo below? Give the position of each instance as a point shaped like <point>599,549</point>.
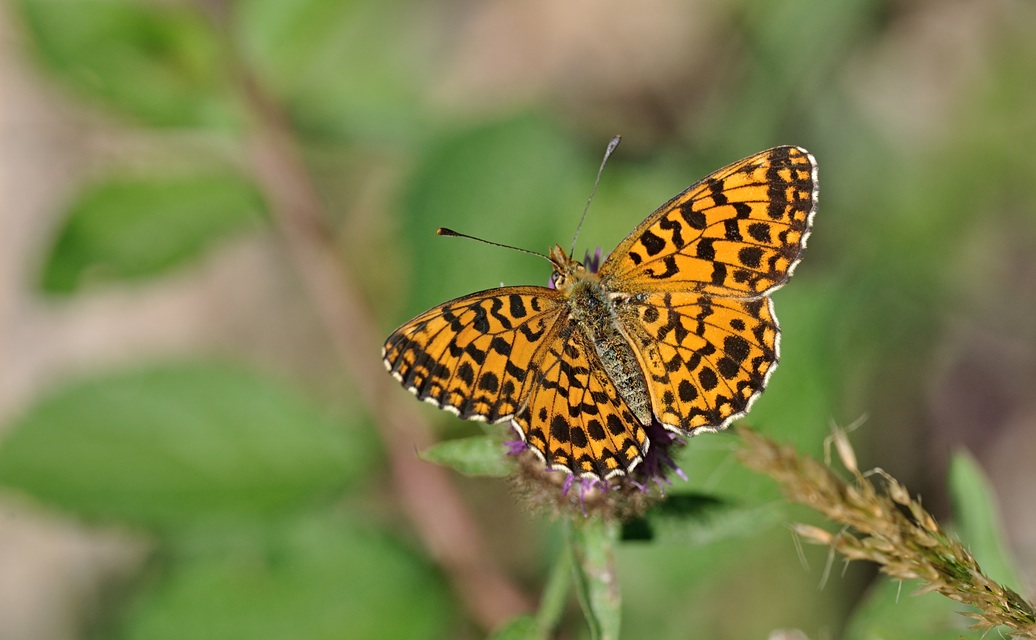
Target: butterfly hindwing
<point>739,231</point>
<point>705,358</point>
<point>573,414</point>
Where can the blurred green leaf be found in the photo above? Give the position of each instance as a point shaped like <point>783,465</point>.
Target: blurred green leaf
<point>173,445</point>
<point>474,456</point>
<point>517,181</point>
<point>555,593</point>
<point>159,62</point>
<point>593,545</point>
<point>126,229</point>
<point>520,628</point>
<point>314,577</point>
<point>700,519</point>
<point>343,67</point>
<point>892,610</point>
<point>976,518</point>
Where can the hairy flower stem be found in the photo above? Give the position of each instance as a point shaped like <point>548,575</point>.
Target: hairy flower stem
<point>593,543</point>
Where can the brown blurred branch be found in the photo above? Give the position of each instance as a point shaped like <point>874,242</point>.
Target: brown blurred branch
<point>441,519</point>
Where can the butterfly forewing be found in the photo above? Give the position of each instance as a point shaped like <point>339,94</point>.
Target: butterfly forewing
<point>739,231</point>
<point>696,275</point>
<point>473,355</point>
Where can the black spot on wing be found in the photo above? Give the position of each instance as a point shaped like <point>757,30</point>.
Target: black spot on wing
<point>670,269</point>
<point>719,273</point>
<point>476,354</point>
<point>531,334</point>
<point>481,323</point>
<point>652,243</point>
<point>675,228</point>
<point>727,368</point>
<point>501,346</point>
<point>731,230</point>
<point>736,348</point>
<point>695,219</point>
<point>489,382</point>
<point>517,306</point>
<point>760,231</point>
<point>687,391</point>
<point>559,429</point>
<point>707,378</point>
<point>615,424</point>
<point>716,188</point>
<point>494,308</point>
<point>466,373</point>
<point>750,256</point>
<point>705,250</point>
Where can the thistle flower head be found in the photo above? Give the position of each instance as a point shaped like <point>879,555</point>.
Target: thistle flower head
<point>619,497</point>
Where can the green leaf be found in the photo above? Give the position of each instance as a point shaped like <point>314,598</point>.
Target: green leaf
<point>510,181</point>
<point>179,444</point>
<point>555,594</point>
<point>474,456</point>
<point>313,577</point>
<point>125,229</point>
<point>520,628</point>
<point>344,67</point>
<point>593,545</point>
<point>158,62</point>
<point>976,518</point>
<point>700,519</point>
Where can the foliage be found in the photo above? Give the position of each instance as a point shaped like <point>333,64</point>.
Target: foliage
<point>268,507</point>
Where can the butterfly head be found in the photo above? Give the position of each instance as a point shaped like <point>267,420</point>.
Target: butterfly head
<point>566,270</point>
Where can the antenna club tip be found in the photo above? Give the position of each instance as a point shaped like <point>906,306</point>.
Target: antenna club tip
<point>443,231</point>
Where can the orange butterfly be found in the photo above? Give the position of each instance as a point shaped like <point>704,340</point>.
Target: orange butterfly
<point>677,326</point>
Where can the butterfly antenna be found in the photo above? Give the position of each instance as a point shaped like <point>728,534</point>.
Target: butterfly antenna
<point>443,231</point>
<point>607,154</point>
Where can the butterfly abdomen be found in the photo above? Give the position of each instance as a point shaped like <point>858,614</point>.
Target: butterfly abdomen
<point>595,315</point>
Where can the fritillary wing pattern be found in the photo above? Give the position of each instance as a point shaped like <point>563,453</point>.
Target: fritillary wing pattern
<point>472,356</point>
<point>695,279</point>
<point>706,358</point>
<point>740,231</point>
<point>688,290</point>
<point>574,416</point>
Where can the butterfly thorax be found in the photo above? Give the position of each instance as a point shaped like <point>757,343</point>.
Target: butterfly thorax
<point>594,313</point>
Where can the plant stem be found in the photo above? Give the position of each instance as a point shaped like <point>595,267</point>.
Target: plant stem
<point>593,546</point>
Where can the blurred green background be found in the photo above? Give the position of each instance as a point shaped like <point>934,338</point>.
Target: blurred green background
<point>183,452</point>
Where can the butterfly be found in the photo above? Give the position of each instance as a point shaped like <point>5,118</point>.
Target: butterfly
<point>677,326</point>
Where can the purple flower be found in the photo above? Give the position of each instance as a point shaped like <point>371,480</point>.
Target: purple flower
<point>620,496</point>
